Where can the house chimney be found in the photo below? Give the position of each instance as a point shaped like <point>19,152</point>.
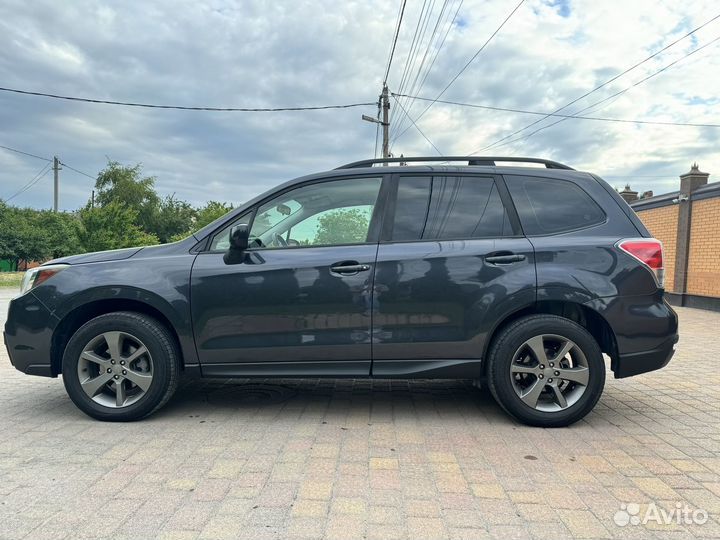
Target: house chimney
<point>628,194</point>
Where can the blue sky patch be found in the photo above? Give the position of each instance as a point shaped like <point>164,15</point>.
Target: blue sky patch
<point>562,6</point>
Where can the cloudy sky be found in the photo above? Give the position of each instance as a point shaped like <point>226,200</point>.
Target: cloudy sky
<point>307,53</point>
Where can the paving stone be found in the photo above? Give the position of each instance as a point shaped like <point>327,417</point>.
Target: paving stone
<point>375,459</point>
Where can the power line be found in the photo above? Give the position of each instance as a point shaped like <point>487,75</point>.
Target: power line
<point>182,108</point>
<point>616,94</point>
<point>24,153</point>
<point>399,125</point>
<point>31,183</point>
<point>566,116</point>
<point>45,159</point>
<point>437,52</point>
<point>420,41</point>
<point>413,86</point>
<point>416,127</point>
<point>612,79</point>
<point>410,60</point>
<point>452,81</point>
<point>397,32</point>
<point>76,170</point>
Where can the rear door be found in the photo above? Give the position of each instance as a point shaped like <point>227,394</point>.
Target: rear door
<point>451,263</point>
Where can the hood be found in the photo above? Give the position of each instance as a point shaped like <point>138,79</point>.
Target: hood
<point>175,248</point>
<point>98,256</point>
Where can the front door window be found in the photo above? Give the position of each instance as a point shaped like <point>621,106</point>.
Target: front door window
<point>322,214</point>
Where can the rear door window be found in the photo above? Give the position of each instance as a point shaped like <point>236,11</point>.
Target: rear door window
<point>551,206</point>
<point>448,207</point>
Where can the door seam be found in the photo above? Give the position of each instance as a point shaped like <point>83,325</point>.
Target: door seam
<point>372,310</point>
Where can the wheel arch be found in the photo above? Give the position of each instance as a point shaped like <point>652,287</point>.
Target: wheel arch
<point>83,313</point>
<point>585,316</point>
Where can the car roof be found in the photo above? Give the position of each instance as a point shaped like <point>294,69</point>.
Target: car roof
<point>482,169</point>
<point>397,165</point>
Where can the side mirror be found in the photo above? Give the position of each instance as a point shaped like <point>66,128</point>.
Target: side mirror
<point>239,237</point>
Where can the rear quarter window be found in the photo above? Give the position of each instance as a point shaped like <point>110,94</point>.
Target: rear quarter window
<point>550,206</point>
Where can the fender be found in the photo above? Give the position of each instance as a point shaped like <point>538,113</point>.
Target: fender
<point>556,300</point>
<point>165,288</point>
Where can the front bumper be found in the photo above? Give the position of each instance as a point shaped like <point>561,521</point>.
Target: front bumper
<point>635,363</point>
<point>28,335</point>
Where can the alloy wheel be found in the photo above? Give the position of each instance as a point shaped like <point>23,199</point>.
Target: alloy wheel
<point>549,373</point>
<point>115,369</point>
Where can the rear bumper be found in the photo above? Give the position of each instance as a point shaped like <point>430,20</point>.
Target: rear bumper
<point>635,363</point>
<point>28,336</point>
<point>645,330</point>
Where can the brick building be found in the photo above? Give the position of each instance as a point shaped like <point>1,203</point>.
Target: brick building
<point>687,222</point>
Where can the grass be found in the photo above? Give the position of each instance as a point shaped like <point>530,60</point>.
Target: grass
<point>11,279</point>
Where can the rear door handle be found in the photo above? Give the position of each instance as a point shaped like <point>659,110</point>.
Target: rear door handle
<point>505,258</point>
<point>349,267</point>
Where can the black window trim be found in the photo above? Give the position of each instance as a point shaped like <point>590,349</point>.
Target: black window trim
<point>389,219</point>
<point>564,231</point>
<point>374,228</point>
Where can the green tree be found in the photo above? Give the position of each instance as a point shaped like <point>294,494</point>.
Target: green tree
<point>204,215</point>
<point>112,226</point>
<point>61,231</point>
<point>12,235</point>
<point>342,227</point>
<point>210,212</point>
<point>172,217</point>
<point>9,237</point>
<point>37,235</point>
<point>125,185</point>
<point>22,238</point>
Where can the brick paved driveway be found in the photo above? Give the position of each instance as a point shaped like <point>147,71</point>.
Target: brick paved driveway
<point>353,459</point>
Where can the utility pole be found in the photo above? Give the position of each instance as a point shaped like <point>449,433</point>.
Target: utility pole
<point>386,122</point>
<point>56,174</point>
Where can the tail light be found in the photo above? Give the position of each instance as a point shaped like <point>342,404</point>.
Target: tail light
<point>648,251</point>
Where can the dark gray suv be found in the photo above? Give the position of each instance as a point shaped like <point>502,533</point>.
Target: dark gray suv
<point>514,274</point>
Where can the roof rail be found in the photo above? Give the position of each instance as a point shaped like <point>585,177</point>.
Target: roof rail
<point>471,161</point>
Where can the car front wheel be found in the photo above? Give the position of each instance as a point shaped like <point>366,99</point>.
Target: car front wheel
<point>546,370</point>
<point>121,366</point>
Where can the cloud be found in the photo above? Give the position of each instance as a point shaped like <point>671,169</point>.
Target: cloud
<point>258,53</point>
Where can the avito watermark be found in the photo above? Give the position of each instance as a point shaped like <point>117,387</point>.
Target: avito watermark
<point>682,514</point>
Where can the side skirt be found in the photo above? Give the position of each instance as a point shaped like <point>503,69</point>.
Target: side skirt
<point>427,369</point>
<point>381,369</point>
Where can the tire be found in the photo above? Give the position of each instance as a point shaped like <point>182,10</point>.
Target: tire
<point>104,389</point>
<point>515,376</point>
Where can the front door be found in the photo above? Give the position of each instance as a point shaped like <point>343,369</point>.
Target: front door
<point>451,263</point>
<point>299,301</point>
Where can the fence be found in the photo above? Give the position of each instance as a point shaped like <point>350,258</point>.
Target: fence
<point>688,224</point>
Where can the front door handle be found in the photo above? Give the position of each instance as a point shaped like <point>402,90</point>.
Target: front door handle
<point>349,267</point>
<point>504,258</point>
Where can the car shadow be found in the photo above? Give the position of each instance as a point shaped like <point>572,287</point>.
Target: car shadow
<point>198,397</point>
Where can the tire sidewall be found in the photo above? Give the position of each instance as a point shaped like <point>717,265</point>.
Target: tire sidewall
<point>503,352</point>
<point>144,329</point>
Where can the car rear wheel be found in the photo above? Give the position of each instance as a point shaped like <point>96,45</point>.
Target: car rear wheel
<point>121,366</point>
<point>546,370</point>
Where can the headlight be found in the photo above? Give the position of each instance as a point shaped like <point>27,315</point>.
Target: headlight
<point>35,276</point>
